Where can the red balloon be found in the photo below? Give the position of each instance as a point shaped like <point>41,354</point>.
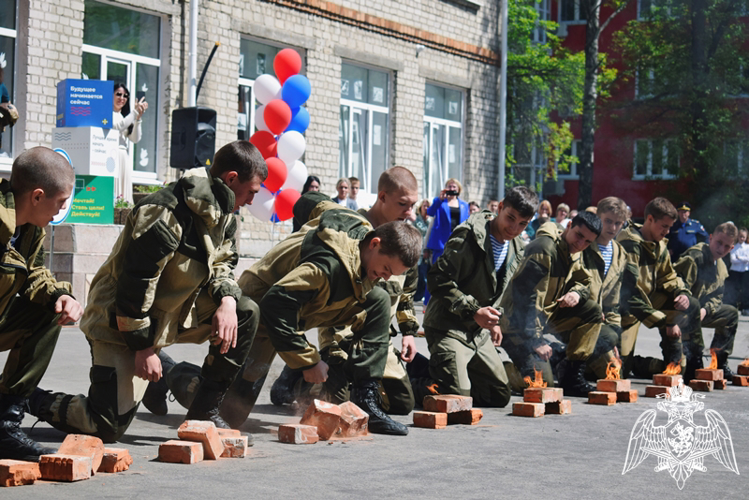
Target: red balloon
<point>288,62</point>
<point>277,116</point>
<point>276,174</point>
<point>265,143</point>
<point>285,203</point>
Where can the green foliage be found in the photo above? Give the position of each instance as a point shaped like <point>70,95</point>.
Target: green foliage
<point>142,188</point>
<point>121,202</point>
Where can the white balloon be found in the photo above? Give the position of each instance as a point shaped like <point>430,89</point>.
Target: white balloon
<point>266,88</point>
<point>262,205</point>
<point>296,177</point>
<point>291,146</point>
<point>260,119</point>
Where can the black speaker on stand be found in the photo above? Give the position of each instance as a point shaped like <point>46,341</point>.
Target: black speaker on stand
<point>193,137</point>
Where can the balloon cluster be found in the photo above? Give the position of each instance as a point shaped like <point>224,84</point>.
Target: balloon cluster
<point>281,120</point>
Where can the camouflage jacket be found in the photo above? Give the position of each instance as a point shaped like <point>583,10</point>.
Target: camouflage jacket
<point>704,276</point>
<point>606,290</point>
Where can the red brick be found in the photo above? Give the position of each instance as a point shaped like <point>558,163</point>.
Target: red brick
<point>228,432</point>
<point>181,452</point>
<point>618,385</point>
<point>202,431</point>
<point>447,403</point>
<point>525,409</point>
<point>701,385</point>
<point>627,396</point>
<point>543,394</point>
<point>18,473</point>
<point>652,391</point>
<point>742,380</point>
<point>708,374</point>
<point>721,384</point>
<point>354,420</point>
<point>563,407</point>
<point>234,446</point>
<point>743,370</point>
<point>666,380</point>
<point>115,460</point>
<point>323,415</point>
<point>601,398</point>
<point>69,468</point>
<point>298,434</point>
<point>85,446</point>
<point>430,419</point>
<point>467,417</point>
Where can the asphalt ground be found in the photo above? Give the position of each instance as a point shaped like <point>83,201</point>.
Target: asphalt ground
<point>572,456</point>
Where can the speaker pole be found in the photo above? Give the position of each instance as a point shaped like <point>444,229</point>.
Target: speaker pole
<point>205,69</point>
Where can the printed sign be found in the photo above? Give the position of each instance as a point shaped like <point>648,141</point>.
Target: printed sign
<point>85,103</point>
<point>93,201</point>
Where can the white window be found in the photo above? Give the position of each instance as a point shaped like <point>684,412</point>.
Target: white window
<point>443,137</point>
<point>735,161</point>
<point>543,9</point>
<point>123,45</point>
<point>530,169</point>
<point>571,12</point>
<point>7,73</point>
<point>574,150</point>
<point>364,127</point>
<point>655,159</point>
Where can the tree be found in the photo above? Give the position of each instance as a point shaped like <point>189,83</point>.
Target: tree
<point>689,64</point>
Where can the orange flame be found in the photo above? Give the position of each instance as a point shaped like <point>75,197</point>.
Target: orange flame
<point>612,370</point>
<point>745,362</point>
<point>433,389</point>
<point>538,379</point>
<point>713,359</point>
<point>672,369</point>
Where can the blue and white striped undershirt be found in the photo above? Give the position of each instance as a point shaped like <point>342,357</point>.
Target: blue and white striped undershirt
<point>499,252</point>
<point>607,252</point>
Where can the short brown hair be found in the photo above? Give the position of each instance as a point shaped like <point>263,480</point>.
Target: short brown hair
<point>398,239</point>
<point>660,207</point>
<point>614,205</point>
<point>396,179</point>
<point>41,168</point>
<point>521,199</point>
<point>729,229</point>
<point>241,157</point>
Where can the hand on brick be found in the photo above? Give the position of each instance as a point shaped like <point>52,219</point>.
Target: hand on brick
<point>496,333</point>
<point>673,331</point>
<point>69,310</point>
<point>703,313</point>
<point>569,299</point>
<point>147,365</point>
<point>225,325</point>
<point>317,374</point>
<point>681,303</point>
<point>544,351</point>
<point>486,317</point>
<point>408,351</point>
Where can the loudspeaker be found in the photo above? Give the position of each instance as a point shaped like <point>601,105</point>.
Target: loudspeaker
<point>193,137</point>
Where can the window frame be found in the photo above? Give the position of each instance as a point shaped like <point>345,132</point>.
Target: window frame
<point>649,168</point>
<point>427,190</point>
<point>6,164</point>
<point>573,174</point>
<point>539,33</point>
<point>572,22</point>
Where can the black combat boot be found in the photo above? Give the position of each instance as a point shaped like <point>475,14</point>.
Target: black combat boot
<point>183,381</point>
<point>14,443</point>
<point>366,396</point>
<point>282,391</point>
<point>154,398</point>
<point>572,378</point>
<point>206,404</point>
<point>723,365</point>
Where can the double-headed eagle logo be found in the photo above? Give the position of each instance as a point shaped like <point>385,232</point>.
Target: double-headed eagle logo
<point>680,445</point>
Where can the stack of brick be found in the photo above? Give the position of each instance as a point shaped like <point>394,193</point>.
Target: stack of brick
<point>540,401</point>
<point>742,375</point>
<point>323,421</point>
<point>611,391</point>
<point>18,473</point>
<point>707,379</point>
<point>661,384</point>
<point>441,410</point>
<point>200,439</point>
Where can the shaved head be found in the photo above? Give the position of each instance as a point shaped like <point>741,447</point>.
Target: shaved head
<point>397,179</point>
<point>41,168</point>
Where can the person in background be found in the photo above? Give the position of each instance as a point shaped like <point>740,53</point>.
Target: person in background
<point>352,193</point>
<point>542,216</point>
<point>342,186</point>
<point>312,184</point>
<point>563,211</point>
<point>421,222</point>
<point>573,213</point>
<point>128,124</point>
<point>448,211</point>
<point>685,232</point>
<point>737,285</point>
<point>493,205</point>
<point>474,207</point>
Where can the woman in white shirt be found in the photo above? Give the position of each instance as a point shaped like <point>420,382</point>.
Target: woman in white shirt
<point>737,284</point>
<point>128,124</point>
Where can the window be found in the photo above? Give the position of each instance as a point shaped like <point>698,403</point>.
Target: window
<point>735,161</point>
<point>655,159</point>
<point>649,8</point>
<point>123,45</point>
<point>570,11</point>
<point>7,69</point>
<point>530,169</point>
<point>543,9</point>
<point>574,150</point>
<point>363,130</point>
<point>443,137</point>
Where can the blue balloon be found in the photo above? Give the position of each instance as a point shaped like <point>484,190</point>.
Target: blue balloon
<point>299,120</point>
<point>296,90</point>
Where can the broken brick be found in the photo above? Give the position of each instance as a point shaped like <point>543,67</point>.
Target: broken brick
<point>617,385</point>
<point>228,432</point>
<point>115,460</point>
<point>743,370</point>
<point>563,407</point>
<point>85,446</point>
<point>708,374</point>
<point>742,380</point>
<point>205,432</point>
<point>543,394</point>
<point>69,468</point>
<point>298,434</point>
<point>234,446</point>
<point>430,419</point>
<point>18,473</point>
<point>467,417</point>
<point>447,403</point>
<point>701,385</point>
<point>354,420</point>
<point>601,398</point>
<point>720,384</point>
<point>323,415</point>
<point>181,452</point>
<point>653,391</point>
<point>526,409</point>
<point>667,380</point>
<point>627,396</point>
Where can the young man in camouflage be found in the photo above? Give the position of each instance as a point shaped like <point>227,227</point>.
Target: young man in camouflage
<point>168,280</point>
<point>704,273</point>
<point>34,305</point>
<point>549,294</point>
<point>461,323</point>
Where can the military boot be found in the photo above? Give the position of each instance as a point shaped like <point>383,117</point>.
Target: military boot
<point>14,443</point>
<point>207,400</point>
<point>154,398</point>
<point>282,391</point>
<point>183,381</point>
<point>572,378</point>
<point>366,396</point>
<point>723,365</point>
